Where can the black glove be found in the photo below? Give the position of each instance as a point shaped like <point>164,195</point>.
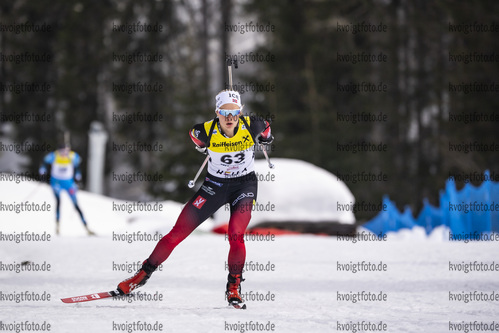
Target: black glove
<point>202,150</point>
<point>263,141</point>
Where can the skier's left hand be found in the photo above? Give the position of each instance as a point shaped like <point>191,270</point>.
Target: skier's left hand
<point>263,141</point>
<point>78,180</point>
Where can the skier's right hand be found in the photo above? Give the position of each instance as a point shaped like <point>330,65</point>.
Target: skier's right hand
<point>202,150</point>
<point>44,176</point>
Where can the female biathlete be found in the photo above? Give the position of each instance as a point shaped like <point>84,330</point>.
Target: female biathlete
<point>229,140</point>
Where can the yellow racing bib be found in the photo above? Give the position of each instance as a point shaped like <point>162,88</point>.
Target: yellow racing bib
<point>231,157</point>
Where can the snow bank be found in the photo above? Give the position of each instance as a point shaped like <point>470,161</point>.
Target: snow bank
<point>293,191</point>
<point>297,191</point>
<point>99,211</point>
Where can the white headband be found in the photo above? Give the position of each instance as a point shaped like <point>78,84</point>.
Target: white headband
<point>228,97</point>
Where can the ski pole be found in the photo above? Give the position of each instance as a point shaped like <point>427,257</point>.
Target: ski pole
<point>192,182</point>
<point>231,61</point>
<point>33,191</point>
<point>267,158</point>
<point>271,165</point>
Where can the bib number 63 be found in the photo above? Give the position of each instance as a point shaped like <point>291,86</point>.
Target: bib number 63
<point>229,159</point>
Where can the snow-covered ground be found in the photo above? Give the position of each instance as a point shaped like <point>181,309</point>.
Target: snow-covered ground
<point>188,294</point>
<point>420,288</point>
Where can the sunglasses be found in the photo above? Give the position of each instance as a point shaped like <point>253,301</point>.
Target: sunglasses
<point>225,113</point>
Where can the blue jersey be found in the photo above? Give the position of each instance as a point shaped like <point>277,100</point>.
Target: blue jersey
<point>64,165</point>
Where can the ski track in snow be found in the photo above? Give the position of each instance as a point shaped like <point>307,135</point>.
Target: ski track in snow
<point>305,283</point>
<point>306,280</point>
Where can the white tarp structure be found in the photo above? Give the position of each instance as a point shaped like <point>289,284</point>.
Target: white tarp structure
<point>298,191</point>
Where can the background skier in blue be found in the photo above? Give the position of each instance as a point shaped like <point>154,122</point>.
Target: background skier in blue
<point>64,170</point>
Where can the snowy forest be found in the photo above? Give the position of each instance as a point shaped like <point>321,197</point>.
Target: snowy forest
<point>393,97</point>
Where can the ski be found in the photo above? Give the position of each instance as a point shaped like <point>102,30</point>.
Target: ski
<point>238,306</point>
<point>114,293</point>
<point>91,297</point>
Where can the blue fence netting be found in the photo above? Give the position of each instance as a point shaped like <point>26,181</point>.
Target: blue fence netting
<point>469,210</point>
